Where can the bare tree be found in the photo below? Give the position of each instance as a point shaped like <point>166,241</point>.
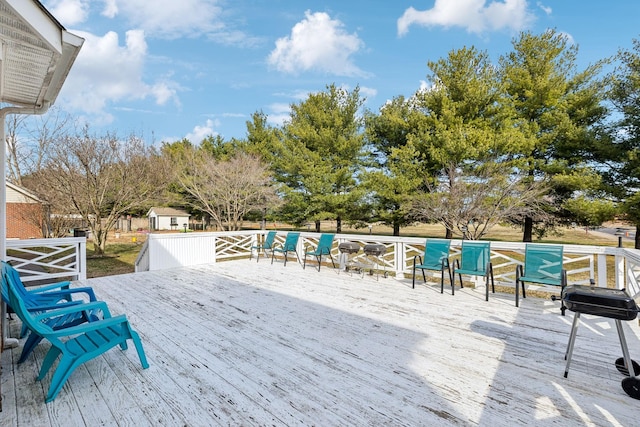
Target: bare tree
<point>472,203</point>
<point>14,124</point>
<point>100,178</point>
<point>225,189</point>
<point>28,140</point>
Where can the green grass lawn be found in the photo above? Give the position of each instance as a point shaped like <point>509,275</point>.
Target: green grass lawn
<point>119,259</point>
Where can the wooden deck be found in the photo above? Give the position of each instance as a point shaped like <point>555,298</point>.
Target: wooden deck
<point>243,343</point>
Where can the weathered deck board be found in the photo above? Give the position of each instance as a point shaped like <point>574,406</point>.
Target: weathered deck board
<point>246,343</point>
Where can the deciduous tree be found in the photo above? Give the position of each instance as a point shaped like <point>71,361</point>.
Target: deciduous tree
<point>102,177</point>
<point>225,189</point>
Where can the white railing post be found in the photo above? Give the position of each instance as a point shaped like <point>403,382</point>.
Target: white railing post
<point>215,249</point>
<point>81,254</point>
<point>602,268</point>
<point>400,259</point>
<point>619,270</point>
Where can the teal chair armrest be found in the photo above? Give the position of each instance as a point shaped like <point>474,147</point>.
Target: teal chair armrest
<point>95,305</point>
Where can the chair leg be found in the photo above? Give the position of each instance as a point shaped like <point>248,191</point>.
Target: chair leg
<point>486,286</point>
<point>413,285</point>
<point>572,339</point>
<point>518,268</point>
<point>493,285</point>
<point>304,264</point>
<point>32,341</point>
<point>50,357</point>
<point>139,349</point>
<point>457,264</point>
<point>64,369</point>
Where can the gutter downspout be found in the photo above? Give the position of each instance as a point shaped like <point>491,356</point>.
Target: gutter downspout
<point>9,342</point>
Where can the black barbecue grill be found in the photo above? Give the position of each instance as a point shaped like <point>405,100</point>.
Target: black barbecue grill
<point>374,252</point>
<point>350,251</point>
<point>349,248</point>
<point>614,304</point>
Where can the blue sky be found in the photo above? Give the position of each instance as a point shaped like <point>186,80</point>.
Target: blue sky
<point>169,69</point>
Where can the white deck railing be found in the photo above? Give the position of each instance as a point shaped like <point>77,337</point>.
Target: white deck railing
<point>49,259</point>
<point>582,262</point>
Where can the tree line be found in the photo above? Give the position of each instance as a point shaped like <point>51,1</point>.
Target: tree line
<point>531,140</point>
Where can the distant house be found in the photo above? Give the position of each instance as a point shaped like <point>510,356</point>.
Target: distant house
<point>167,219</point>
<point>25,214</point>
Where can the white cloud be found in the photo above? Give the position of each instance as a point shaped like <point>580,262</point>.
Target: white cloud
<point>280,113</point>
<point>201,132</point>
<point>545,9</point>
<point>110,8</point>
<point>476,16</point>
<point>317,43</point>
<point>568,37</point>
<point>168,18</point>
<point>368,92</point>
<point>69,12</point>
<point>106,72</point>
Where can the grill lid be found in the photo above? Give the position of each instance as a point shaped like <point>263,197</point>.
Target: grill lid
<point>375,249</point>
<point>348,247</point>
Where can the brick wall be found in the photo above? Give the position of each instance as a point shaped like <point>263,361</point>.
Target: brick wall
<point>21,221</point>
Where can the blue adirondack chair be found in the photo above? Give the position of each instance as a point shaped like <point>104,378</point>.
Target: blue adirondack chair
<point>75,345</point>
<point>436,257</point>
<point>56,295</point>
<point>265,246</point>
<point>89,314</point>
<point>542,264</point>
<point>324,248</point>
<point>290,245</point>
<point>475,260</point>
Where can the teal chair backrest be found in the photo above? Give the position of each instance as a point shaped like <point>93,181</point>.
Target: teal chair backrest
<point>475,256</point>
<point>12,274</point>
<point>18,304</point>
<point>435,250</point>
<point>268,242</point>
<point>291,241</point>
<point>543,263</point>
<point>324,244</point>
<point>30,299</point>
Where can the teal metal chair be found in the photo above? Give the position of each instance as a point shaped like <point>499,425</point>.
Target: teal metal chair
<point>74,345</point>
<point>475,260</point>
<point>543,265</point>
<point>290,245</point>
<point>324,248</point>
<point>265,246</point>
<point>436,257</point>
<point>56,295</point>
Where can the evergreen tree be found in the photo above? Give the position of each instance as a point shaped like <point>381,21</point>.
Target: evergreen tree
<point>321,156</point>
<point>556,110</point>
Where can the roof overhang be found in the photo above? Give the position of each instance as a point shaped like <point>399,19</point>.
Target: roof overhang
<point>36,54</point>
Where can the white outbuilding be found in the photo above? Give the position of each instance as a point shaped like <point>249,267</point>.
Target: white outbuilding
<point>161,218</point>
